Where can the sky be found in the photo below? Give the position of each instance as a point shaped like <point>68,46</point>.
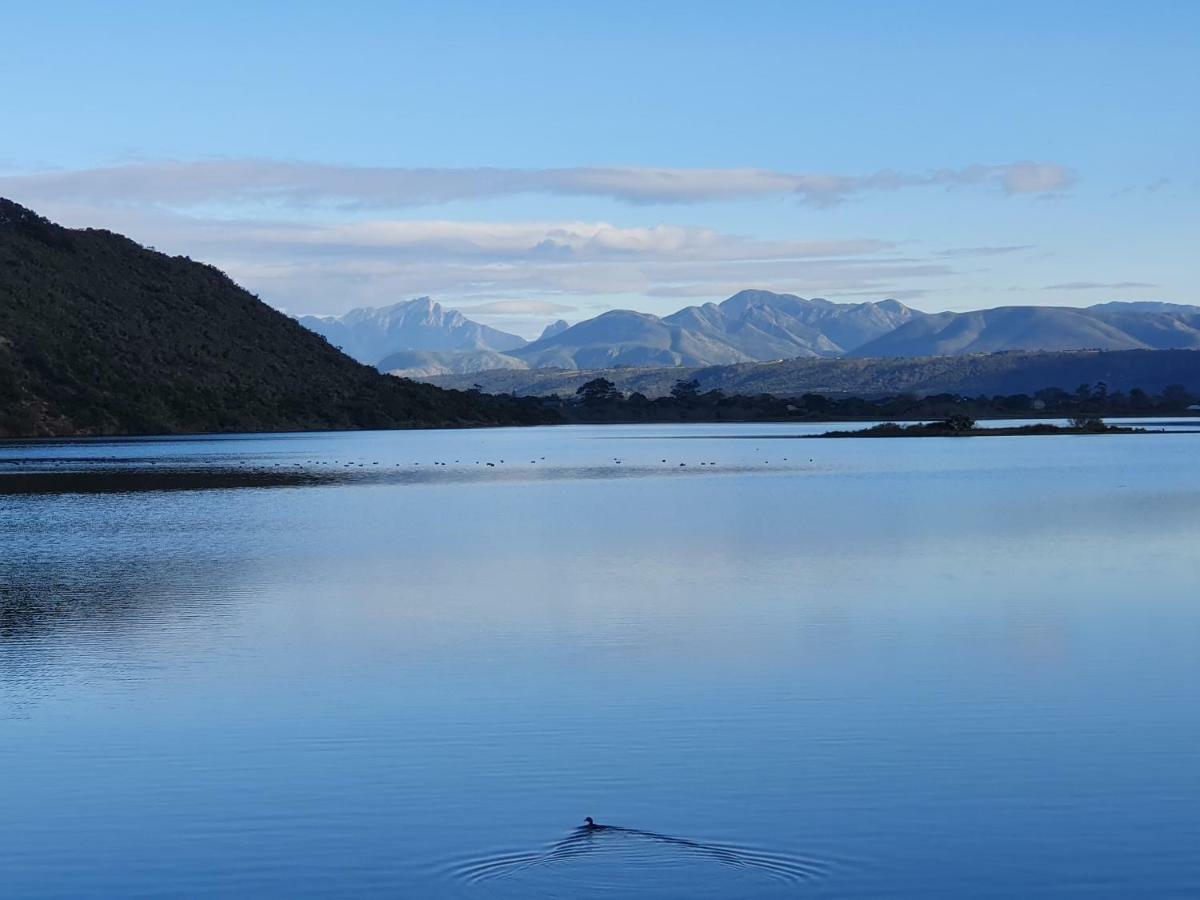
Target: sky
<point>528,161</point>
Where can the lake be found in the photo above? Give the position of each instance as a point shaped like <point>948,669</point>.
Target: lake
<point>408,664</point>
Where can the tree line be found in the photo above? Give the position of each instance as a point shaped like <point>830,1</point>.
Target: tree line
<point>599,400</point>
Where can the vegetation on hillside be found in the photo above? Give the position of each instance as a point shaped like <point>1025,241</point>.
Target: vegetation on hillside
<point>600,400</point>
<point>99,335</point>
<point>990,374</point>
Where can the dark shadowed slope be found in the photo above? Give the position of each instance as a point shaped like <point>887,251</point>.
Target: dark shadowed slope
<point>99,335</point>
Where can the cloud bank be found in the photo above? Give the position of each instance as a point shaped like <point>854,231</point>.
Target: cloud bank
<point>306,185</point>
<point>312,238</point>
<point>509,273</point>
<point>1099,285</point>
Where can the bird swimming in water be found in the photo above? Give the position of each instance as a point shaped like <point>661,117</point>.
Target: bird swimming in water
<point>590,838</point>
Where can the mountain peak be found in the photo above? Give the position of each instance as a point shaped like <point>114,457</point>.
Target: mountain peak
<point>371,333</point>
<point>746,299</point>
<point>556,327</point>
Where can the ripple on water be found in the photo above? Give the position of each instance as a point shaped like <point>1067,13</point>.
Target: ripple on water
<point>629,850</point>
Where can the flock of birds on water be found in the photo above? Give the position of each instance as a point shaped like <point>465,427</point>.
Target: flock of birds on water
<point>616,460</point>
<point>350,464</point>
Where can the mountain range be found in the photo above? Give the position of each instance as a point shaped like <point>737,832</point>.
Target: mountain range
<point>419,338</point>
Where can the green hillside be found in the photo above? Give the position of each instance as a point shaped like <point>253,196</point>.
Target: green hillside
<point>99,335</point>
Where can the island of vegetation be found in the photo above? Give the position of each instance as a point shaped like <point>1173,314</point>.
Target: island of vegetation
<point>965,426</point>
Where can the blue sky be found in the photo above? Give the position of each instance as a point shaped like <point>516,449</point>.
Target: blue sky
<point>532,160</point>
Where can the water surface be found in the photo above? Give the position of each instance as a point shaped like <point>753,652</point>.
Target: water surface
<point>373,665</point>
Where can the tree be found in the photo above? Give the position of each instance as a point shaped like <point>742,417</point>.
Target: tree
<point>959,423</point>
<point>1088,423</point>
<point>686,390</point>
<point>1016,402</point>
<point>598,391</point>
<point>1051,396</point>
<point>1176,395</point>
<point>816,403</point>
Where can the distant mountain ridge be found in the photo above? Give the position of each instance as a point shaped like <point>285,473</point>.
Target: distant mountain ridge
<point>750,326</point>
<point>1107,326</point>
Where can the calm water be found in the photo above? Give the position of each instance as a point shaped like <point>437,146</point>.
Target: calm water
<point>326,665</point>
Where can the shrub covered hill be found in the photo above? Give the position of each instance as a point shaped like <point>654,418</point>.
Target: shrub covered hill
<point>101,336</point>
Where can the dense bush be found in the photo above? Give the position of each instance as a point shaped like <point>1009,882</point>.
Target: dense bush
<point>600,401</point>
<point>99,335</point>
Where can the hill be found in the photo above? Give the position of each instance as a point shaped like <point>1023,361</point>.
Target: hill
<point>1003,328</point>
<point>996,373</point>
<point>424,363</point>
<point>99,335</point>
<point>370,334</point>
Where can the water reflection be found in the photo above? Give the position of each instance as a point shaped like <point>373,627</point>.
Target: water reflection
<point>968,664</point>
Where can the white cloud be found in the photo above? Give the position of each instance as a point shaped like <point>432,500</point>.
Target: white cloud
<point>1033,178</point>
<point>1098,285</point>
<point>955,252</point>
<point>517,308</point>
<point>308,185</point>
<point>321,238</point>
<point>330,268</point>
<point>562,241</point>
